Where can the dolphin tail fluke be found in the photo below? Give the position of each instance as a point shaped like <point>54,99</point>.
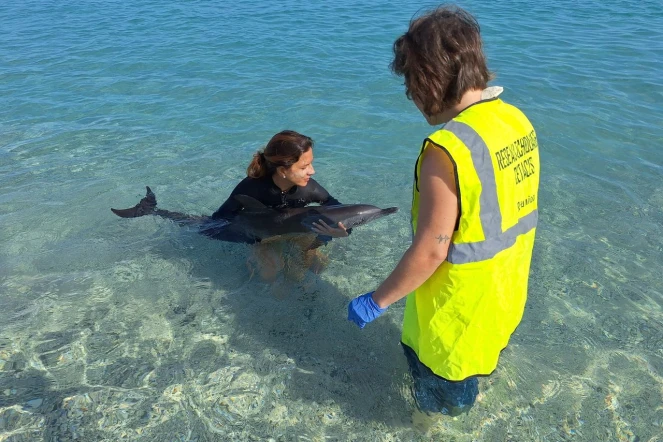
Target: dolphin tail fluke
<point>146,206</point>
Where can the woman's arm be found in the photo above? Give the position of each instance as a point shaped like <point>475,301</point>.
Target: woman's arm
<point>320,195</point>
<point>438,212</point>
<point>231,205</point>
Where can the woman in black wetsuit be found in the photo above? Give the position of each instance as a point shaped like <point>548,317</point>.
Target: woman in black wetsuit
<point>279,177</point>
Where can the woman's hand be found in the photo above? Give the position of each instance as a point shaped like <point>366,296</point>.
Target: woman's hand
<point>321,228</point>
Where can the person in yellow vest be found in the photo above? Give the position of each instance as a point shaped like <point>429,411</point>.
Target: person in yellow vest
<point>474,216</point>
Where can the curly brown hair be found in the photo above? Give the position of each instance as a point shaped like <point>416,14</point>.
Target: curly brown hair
<point>441,58</point>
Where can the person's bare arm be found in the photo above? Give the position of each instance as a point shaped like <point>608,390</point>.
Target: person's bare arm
<point>438,212</point>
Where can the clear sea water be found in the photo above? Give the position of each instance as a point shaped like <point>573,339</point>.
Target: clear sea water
<point>114,329</point>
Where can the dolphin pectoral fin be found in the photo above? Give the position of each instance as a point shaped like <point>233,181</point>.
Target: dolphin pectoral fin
<point>250,203</point>
<point>146,206</point>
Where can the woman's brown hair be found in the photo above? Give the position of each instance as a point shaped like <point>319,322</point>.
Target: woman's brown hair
<point>441,58</point>
<point>284,149</point>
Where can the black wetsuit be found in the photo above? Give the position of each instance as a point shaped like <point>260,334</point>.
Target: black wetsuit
<point>268,193</point>
<point>264,190</point>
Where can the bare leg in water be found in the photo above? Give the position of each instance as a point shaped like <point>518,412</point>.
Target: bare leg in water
<point>267,256</point>
<point>312,256</point>
<point>292,254</point>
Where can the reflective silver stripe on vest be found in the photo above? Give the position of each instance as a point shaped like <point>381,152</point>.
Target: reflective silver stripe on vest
<point>489,211</point>
<point>490,215</point>
<point>483,250</point>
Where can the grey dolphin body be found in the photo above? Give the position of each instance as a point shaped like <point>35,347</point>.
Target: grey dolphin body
<point>256,222</point>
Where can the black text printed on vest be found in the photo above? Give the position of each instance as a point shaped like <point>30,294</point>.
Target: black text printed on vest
<point>514,153</point>
<point>526,202</point>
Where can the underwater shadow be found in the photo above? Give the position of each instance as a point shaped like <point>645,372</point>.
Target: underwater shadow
<point>363,372</point>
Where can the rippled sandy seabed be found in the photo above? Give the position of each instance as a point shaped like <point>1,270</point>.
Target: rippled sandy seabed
<point>150,332</point>
<point>137,329</point>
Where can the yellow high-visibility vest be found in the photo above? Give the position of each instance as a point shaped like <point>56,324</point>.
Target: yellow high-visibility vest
<point>460,319</point>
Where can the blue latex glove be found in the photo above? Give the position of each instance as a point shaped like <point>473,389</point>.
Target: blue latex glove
<point>363,310</point>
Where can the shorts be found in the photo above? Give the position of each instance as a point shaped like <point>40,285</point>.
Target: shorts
<point>434,394</point>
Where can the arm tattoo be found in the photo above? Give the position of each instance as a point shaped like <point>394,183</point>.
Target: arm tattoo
<point>442,239</point>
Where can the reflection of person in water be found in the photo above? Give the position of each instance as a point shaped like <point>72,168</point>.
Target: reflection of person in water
<point>279,177</point>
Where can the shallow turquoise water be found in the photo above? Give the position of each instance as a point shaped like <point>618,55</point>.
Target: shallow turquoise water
<point>141,330</point>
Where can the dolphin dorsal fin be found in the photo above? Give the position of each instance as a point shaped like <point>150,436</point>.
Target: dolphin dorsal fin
<point>250,202</point>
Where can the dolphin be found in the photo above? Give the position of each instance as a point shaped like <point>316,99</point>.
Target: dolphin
<point>256,222</point>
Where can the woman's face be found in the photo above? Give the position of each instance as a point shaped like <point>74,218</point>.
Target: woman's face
<point>300,173</point>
